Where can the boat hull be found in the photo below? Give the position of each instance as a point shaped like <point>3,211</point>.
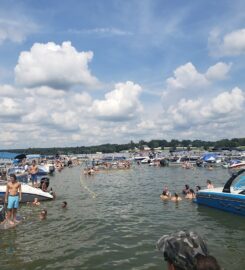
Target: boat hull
<point>234,203</point>
<point>29,193</point>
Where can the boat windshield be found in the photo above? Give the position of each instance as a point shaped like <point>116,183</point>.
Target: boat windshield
<point>240,182</point>
<point>237,181</point>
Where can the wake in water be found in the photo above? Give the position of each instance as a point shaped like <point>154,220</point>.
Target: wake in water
<point>84,186</point>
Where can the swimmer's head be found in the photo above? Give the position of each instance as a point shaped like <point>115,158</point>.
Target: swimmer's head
<point>64,204</point>
<point>43,214</point>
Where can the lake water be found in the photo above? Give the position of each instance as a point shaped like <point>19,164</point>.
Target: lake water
<point>114,219</point>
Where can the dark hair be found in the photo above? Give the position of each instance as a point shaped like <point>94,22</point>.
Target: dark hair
<point>164,193</point>
<point>198,188</point>
<point>208,181</point>
<point>13,175</point>
<point>192,191</point>
<point>187,186</point>
<point>207,263</point>
<point>176,195</point>
<point>65,203</point>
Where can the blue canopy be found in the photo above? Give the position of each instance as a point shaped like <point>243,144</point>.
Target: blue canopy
<point>209,156</point>
<point>235,161</point>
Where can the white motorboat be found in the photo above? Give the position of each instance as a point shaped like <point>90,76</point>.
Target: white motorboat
<point>29,193</point>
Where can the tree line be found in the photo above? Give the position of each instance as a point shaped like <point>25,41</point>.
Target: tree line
<point>112,148</point>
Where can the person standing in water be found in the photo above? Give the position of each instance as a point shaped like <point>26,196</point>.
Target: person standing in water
<point>209,184</point>
<point>13,196</point>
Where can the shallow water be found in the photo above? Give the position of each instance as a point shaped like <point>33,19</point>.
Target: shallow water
<point>114,219</point>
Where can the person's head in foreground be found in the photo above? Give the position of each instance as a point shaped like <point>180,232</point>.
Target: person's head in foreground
<point>43,214</point>
<point>186,251</point>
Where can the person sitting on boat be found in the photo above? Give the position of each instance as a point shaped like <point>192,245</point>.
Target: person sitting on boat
<point>44,186</point>
<point>209,184</point>
<point>191,194</point>
<point>186,251</point>
<point>176,198</point>
<point>186,189</point>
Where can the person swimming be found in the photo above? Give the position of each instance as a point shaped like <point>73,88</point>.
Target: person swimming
<point>191,194</point>
<point>176,198</point>
<point>186,189</point>
<point>198,188</point>
<point>64,205</point>
<point>165,195</point>
<point>43,214</point>
<point>36,202</point>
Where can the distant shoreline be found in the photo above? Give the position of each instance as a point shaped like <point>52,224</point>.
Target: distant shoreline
<point>153,145</point>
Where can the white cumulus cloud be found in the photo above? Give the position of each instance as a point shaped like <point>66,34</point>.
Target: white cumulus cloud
<point>120,104</point>
<point>188,82</point>
<point>228,102</point>
<point>231,44</point>
<point>218,72</point>
<point>185,76</point>
<point>9,107</point>
<point>56,66</point>
<point>224,107</point>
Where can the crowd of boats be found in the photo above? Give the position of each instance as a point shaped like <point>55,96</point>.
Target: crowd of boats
<point>230,198</point>
<point>189,160</point>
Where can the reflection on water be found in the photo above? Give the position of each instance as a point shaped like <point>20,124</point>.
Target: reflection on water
<point>114,220</point>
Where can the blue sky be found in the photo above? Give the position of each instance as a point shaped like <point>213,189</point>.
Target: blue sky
<point>90,72</point>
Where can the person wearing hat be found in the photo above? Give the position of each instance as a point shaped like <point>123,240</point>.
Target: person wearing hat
<point>186,251</point>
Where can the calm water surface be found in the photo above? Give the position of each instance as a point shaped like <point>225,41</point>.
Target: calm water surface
<point>114,219</point>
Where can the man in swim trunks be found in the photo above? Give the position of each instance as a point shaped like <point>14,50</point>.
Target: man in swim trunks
<point>33,170</point>
<point>13,196</point>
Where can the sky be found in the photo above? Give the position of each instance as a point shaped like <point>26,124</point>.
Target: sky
<point>80,73</point>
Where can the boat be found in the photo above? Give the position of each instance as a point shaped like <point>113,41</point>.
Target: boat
<point>229,198</point>
<point>29,193</point>
<point>237,164</point>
